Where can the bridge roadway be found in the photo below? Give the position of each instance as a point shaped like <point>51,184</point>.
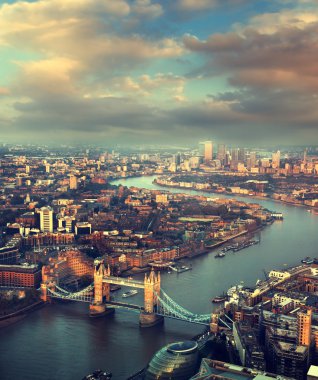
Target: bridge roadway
<point>125,305</point>
<point>124,282</point>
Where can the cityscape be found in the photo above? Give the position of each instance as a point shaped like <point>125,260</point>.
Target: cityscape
<point>76,230</point>
<point>158,190</point>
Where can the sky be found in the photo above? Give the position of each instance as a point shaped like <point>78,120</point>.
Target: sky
<point>159,71</point>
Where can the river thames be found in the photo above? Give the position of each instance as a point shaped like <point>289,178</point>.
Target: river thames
<point>60,341</point>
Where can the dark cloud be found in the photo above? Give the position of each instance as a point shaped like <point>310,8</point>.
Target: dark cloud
<point>97,74</point>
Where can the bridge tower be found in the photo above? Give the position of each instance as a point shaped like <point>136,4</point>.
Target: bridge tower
<point>152,284</point>
<point>101,291</point>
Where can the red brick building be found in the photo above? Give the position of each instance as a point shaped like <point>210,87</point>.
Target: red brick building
<point>28,276</point>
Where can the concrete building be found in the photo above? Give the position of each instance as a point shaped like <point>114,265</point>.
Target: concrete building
<point>304,328</point>
<point>46,219</point>
<point>250,352</point>
<point>276,160</point>
<point>207,150</point>
<point>221,155</point>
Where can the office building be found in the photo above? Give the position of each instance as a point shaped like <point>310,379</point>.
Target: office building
<point>206,149</point>
<point>221,153</point>
<point>175,361</point>
<point>276,160</point>
<point>46,219</point>
<point>214,369</point>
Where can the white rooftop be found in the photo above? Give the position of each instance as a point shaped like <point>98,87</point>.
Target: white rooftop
<point>313,371</point>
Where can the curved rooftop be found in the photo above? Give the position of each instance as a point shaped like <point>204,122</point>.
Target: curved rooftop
<point>177,361</point>
<point>183,348</point>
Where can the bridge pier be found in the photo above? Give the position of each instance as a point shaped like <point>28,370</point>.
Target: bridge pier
<point>150,320</point>
<point>99,310</point>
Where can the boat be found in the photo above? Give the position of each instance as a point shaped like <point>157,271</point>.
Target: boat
<point>183,268</point>
<point>307,260</point>
<point>219,255</point>
<point>219,299</point>
<point>245,244</point>
<point>129,293</point>
<point>98,375</point>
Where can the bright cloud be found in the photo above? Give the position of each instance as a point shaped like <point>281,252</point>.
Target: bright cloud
<point>148,69</point>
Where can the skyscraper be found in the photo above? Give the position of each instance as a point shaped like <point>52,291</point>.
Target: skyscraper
<point>221,152</point>
<point>207,150</point>
<point>234,154</point>
<point>241,155</point>
<point>276,160</point>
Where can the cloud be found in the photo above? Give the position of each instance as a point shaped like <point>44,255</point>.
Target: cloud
<point>146,9</point>
<point>91,70</point>
<point>270,64</point>
<point>168,84</point>
<point>88,31</point>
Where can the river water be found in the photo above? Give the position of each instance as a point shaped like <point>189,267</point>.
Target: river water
<point>60,341</point>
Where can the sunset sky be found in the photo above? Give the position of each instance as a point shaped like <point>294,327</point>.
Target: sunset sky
<point>159,71</point>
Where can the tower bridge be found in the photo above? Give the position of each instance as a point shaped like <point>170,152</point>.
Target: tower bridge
<point>157,303</point>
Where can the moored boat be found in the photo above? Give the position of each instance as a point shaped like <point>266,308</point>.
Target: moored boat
<point>219,299</point>
<point>307,260</point>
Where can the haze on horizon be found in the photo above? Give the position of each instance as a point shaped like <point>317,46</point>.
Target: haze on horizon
<point>155,71</point>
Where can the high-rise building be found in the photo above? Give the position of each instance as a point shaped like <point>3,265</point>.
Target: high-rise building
<point>304,328</point>
<point>276,160</point>
<point>241,155</point>
<point>176,159</point>
<point>46,219</point>
<point>234,154</point>
<point>253,159</point>
<point>221,152</point>
<point>73,182</point>
<point>207,150</point>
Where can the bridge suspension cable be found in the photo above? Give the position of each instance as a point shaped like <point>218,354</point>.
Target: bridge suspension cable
<point>83,295</point>
<point>169,308</point>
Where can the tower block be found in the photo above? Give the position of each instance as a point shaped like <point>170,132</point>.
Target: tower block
<point>148,318</point>
<point>101,290</point>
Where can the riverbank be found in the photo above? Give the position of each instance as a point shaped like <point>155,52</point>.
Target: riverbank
<point>204,251</point>
<point>257,197</point>
<point>11,318</point>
